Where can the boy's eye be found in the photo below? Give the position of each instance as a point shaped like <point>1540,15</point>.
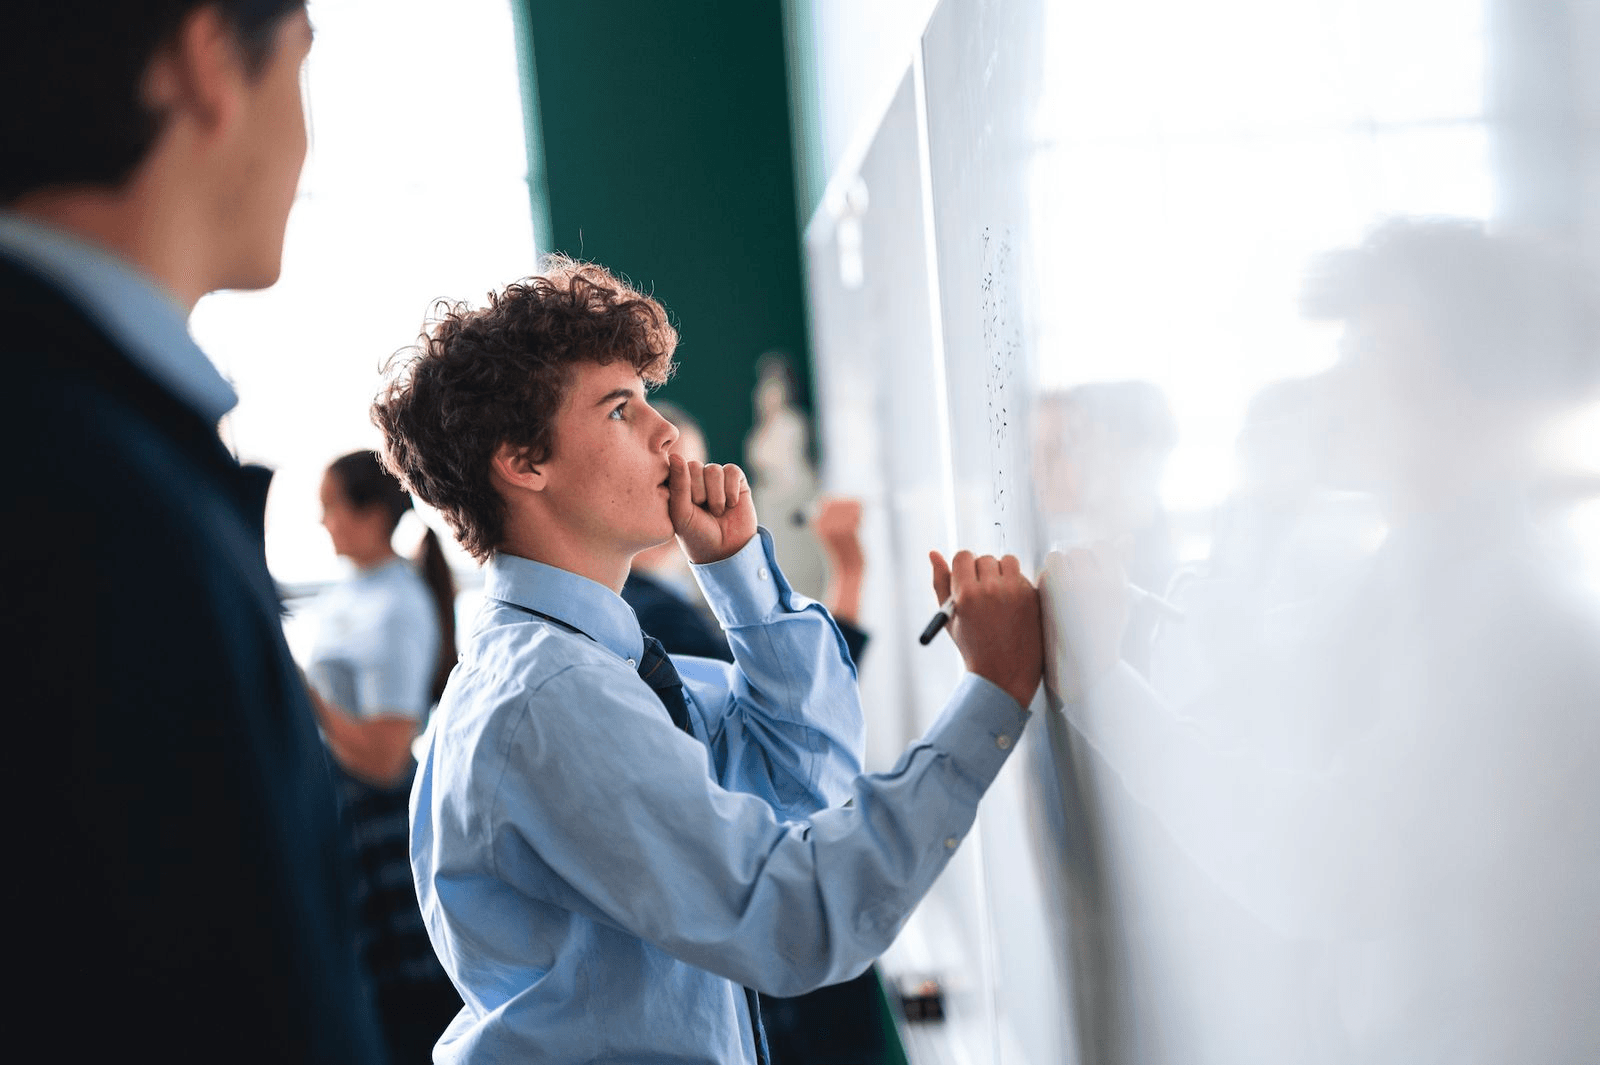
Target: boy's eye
<point>616,412</point>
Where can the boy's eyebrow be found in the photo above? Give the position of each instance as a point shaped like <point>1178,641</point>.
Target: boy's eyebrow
<point>617,393</point>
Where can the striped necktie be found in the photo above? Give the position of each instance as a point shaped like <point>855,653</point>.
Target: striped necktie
<point>657,670</point>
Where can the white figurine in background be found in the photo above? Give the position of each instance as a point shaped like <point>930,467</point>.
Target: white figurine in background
<point>782,479</point>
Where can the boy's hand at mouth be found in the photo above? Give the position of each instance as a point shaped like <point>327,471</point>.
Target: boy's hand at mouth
<point>710,507</point>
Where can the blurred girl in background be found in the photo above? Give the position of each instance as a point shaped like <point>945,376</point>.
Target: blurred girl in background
<point>385,646</point>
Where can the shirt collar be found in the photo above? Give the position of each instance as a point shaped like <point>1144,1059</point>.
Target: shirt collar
<point>588,606</point>
<point>149,325</point>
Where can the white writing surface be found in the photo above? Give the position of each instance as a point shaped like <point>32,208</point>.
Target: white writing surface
<point>1240,290</point>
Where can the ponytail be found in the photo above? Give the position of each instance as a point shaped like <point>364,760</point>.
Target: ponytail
<point>436,574</point>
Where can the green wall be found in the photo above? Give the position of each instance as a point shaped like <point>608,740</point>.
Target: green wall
<point>805,106</point>
<point>660,147</point>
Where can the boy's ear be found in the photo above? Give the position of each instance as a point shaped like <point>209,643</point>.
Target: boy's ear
<point>510,465</point>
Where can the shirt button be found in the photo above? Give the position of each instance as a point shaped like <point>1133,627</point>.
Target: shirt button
<point>633,664</point>
<point>1003,742</point>
<point>763,573</point>
<point>951,843</point>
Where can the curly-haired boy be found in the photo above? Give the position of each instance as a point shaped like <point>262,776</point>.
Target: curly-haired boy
<point>614,849</point>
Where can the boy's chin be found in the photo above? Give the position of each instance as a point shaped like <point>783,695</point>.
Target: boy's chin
<point>662,538</point>
<point>657,555</point>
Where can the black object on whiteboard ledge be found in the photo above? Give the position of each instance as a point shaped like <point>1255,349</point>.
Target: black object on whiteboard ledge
<point>922,1000</point>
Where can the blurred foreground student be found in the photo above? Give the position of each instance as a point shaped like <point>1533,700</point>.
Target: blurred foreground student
<point>614,851</point>
<point>384,648</point>
<point>180,886</point>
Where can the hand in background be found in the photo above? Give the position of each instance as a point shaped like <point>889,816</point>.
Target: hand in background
<point>837,527</point>
<point>996,624</point>
<point>710,507</point>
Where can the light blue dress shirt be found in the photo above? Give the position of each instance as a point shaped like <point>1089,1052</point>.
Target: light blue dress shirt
<point>147,323</point>
<point>601,886</point>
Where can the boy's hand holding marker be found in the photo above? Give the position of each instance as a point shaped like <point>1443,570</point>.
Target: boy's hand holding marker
<point>997,628</point>
<point>995,619</point>
<point>1096,606</point>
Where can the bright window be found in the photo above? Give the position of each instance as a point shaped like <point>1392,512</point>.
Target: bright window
<point>416,189</point>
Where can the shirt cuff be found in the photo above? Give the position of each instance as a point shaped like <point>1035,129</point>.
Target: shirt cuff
<point>979,729</point>
<point>747,588</point>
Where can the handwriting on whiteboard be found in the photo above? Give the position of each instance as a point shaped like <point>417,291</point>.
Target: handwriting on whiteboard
<point>1002,351</point>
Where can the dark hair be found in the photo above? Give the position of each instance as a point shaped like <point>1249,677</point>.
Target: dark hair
<point>366,484</point>
<point>1514,317</point>
<point>498,375</point>
<point>89,58</point>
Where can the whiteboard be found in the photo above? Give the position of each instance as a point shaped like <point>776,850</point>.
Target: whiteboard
<point>867,258</point>
<point>1057,300</point>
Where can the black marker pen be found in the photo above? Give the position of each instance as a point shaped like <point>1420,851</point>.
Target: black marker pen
<point>938,621</point>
